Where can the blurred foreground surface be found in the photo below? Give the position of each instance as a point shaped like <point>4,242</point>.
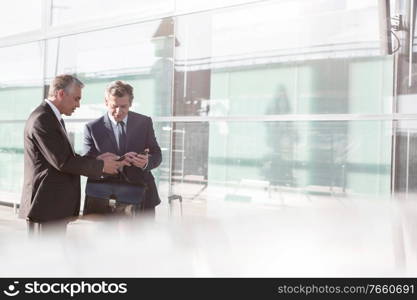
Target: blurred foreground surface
<point>362,238</point>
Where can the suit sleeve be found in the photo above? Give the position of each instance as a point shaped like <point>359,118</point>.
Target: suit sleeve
<point>49,140</point>
<point>89,149</point>
<point>154,150</point>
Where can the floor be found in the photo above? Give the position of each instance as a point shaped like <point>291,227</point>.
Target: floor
<point>298,237</point>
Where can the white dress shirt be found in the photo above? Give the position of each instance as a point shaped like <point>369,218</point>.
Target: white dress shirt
<point>56,111</point>
<point>59,117</point>
<point>117,129</point>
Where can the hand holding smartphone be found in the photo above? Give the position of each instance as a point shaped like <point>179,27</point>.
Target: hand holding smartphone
<point>145,152</point>
<point>121,158</point>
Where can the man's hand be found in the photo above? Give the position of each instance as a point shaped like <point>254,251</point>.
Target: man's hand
<point>137,160</point>
<point>107,155</point>
<point>111,166</point>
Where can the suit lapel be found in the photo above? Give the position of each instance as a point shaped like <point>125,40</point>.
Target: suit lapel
<point>109,131</point>
<point>66,136</point>
<point>46,105</point>
<point>129,129</point>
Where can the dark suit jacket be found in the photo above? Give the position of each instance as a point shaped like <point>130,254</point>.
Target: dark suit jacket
<point>51,188</point>
<point>99,138</point>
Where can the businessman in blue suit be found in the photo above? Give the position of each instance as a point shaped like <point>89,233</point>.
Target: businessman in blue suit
<point>127,135</point>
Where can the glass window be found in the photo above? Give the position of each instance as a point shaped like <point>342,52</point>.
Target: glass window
<point>20,16</point>
<point>282,57</point>
<point>274,58</point>
<point>11,161</point>
<point>404,183</point>
<point>267,162</point>
<point>140,54</point>
<point>260,59</point>
<point>186,6</point>
<point>76,11</point>
<point>21,91</point>
<point>21,80</point>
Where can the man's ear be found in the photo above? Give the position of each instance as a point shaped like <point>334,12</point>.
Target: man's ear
<point>60,93</point>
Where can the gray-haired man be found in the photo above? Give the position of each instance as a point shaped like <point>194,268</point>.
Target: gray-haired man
<point>51,188</point>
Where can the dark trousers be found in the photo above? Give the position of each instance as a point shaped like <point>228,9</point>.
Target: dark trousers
<point>52,228</point>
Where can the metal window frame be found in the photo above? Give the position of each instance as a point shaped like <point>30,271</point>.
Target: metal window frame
<point>47,31</point>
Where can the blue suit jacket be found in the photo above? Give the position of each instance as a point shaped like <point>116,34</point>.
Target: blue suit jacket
<point>99,138</point>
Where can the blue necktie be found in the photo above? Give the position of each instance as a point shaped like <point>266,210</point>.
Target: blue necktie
<point>122,138</point>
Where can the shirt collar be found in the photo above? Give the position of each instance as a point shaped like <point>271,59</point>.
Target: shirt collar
<point>54,109</point>
<point>114,121</point>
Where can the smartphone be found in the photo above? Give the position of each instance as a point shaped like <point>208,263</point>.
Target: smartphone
<point>144,152</point>
<point>121,158</point>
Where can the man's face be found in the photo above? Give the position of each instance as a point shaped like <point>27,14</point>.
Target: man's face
<point>70,100</point>
<point>118,107</point>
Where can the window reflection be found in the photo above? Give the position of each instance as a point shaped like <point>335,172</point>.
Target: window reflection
<point>20,80</point>
<point>75,11</point>
<point>11,161</point>
<point>287,57</point>
<point>140,54</point>
<point>20,92</point>
<point>229,62</point>
<point>337,158</point>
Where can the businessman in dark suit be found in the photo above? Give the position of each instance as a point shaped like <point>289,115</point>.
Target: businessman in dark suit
<point>51,188</point>
<point>121,132</point>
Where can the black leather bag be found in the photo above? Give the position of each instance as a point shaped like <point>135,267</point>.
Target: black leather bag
<point>135,176</point>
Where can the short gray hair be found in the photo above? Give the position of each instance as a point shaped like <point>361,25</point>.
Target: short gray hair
<point>63,82</point>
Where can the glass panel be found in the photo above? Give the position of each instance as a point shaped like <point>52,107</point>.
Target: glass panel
<point>277,162</point>
<point>20,16</point>
<point>186,6</point>
<point>11,161</point>
<point>326,60</point>
<point>140,54</point>
<point>20,92</point>
<point>75,11</point>
<point>405,170</point>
